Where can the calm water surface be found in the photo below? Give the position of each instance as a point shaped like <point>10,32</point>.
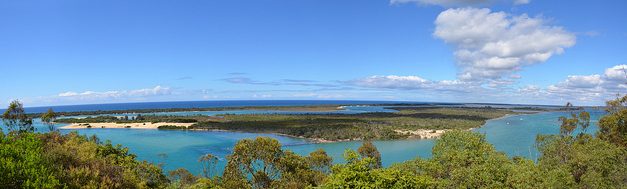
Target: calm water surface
<point>514,135</point>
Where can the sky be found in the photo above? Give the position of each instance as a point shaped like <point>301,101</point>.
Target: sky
<point>490,51</point>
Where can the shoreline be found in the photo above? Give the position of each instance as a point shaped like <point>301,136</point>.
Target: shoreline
<point>435,133</point>
<point>412,134</point>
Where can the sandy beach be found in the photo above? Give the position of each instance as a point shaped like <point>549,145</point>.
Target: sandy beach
<point>147,125</point>
<point>422,133</point>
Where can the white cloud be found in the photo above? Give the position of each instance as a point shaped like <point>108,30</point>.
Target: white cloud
<point>586,89</point>
<point>617,73</point>
<point>583,81</point>
<point>459,3</point>
<point>412,83</point>
<point>530,90</point>
<point>521,2</point>
<point>66,94</point>
<point>490,45</point>
<point>92,95</point>
<point>155,91</point>
<point>392,82</point>
<point>580,89</point>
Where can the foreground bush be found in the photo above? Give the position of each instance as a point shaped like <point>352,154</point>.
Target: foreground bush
<point>21,163</point>
<point>52,160</point>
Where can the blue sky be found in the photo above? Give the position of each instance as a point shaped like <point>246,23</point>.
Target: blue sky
<point>502,51</point>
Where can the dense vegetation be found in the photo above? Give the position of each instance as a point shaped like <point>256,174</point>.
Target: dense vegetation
<point>137,119</point>
<point>52,160</point>
<point>326,126</point>
<point>357,126</point>
<point>461,159</point>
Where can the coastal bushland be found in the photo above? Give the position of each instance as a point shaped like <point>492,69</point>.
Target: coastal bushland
<point>364,126</point>
<point>325,126</point>
<point>53,160</point>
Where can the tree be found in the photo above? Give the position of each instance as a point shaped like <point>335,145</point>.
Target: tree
<point>584,121</point>
<point>464,159</point>
<point>616,105</point>
<point>22,164</point>
<point>589,162</point>
<point>261,163</point>
<point>569,125</point>
<point>182,177</point>
<point>613,127</point>
<point>368,150</point>
<point>320,161</point>
<point>139,117</point>
<point>208,162</point>
<point>256,159</point>
<point>296,172</point>
<point>48,119</point>
<point>81,163</point>
<point>524,173</point>
<point>16,119</point>
<point>358,173</point>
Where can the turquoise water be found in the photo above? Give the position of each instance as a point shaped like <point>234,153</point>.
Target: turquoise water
<point>514,135</point>
<point>183,148</point>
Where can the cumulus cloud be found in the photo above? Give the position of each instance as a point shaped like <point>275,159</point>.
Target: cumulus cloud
<point>411,83</point>
<point>93,95</point>
<point>392,82</point>
<point>490,45</point>
<point>612,82</point>
<point>617,73</point>
<point>459,3</point>
<point>591,88</point>
<point>583,81</point>
<point>582,89</point>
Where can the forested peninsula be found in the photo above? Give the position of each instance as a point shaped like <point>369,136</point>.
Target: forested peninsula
<point>408,122</point>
